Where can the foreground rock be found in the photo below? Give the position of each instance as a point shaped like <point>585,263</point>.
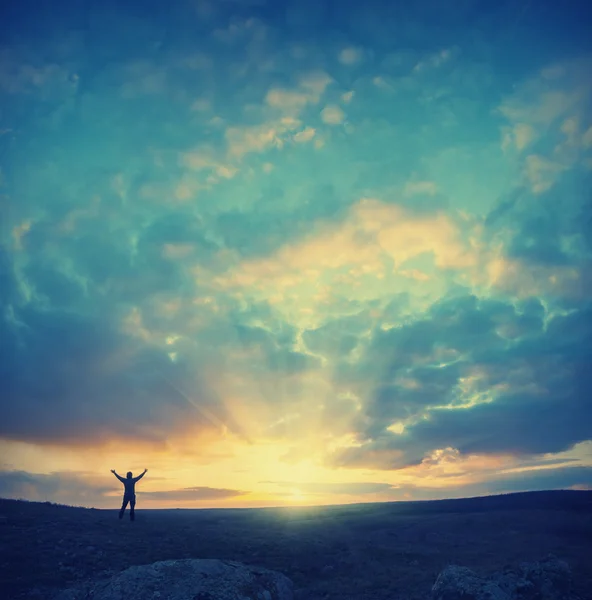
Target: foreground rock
<point>456,583</point>
<point>187,579</point>
<point>549,579</point>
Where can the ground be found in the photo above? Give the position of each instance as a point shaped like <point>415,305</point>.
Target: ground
<point>374,551</point>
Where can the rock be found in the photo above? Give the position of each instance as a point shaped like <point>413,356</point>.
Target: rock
<point>549,579</point>
<point>460,583</point>
<point>186,579</point>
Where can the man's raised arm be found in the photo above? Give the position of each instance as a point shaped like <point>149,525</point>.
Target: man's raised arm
<point>116,475</point>
<point>140,476</point>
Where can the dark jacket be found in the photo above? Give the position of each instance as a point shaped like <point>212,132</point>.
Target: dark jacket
<point>129,483</point>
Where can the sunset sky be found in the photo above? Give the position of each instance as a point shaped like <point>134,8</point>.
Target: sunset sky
<point>294,252</point>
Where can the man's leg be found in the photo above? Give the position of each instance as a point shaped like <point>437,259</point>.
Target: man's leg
<point>132,506</point>
<point>124,504</point>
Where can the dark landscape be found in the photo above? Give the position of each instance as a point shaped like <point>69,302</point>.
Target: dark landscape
<point>364,551</point>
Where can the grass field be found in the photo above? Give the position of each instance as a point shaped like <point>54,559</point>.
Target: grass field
<point>368,551</point>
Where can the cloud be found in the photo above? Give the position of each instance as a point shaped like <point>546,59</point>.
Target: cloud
<point>520,136</point>
<point>538,248</point>
<point>540,105</point>
<point>434,61</point>
<point>305,135</point>
<point>258,138</point>
<point>309,90</point>
<point>575,477</point>
<point>142,78</point>
<point>21,76</point>
<point>551,479</point>
<point>332,115</point>
<point>348,488</point>
<point>83,489</point>
<point>210,170</point>
<point>420,187</point>
<point>192,494</point>
<point>289,100</point>
<point>350,56</point>
<point>551,104</point>
<point>201,160</point>
<point>484,397</point>
<point>79,489</point>
<point>523,279</point>
<point>75,379</point>
<point>373,236</point>
<point>542,173</point>
<point>338,337</point>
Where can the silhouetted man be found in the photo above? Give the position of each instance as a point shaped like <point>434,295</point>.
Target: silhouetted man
<point>129,494</point>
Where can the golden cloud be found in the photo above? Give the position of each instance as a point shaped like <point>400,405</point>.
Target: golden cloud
<point>375,240</point>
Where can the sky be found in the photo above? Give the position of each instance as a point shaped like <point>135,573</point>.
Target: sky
<point>294,252</point>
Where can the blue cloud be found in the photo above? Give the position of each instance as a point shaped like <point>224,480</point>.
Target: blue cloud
<point>71,487</point>
<point>542,409</point>
<point>73,379</point>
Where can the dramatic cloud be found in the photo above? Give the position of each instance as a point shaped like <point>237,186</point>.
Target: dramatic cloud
<point>350,489</point>
<point>192,494</point>
<point>72,488</point>
<point>250,242</point>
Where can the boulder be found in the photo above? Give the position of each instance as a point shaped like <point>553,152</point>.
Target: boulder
<point>187,579</point>
<point>549,579</point>
<point>460,583</point>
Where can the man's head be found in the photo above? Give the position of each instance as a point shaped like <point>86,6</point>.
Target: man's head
<point>129,474</point>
